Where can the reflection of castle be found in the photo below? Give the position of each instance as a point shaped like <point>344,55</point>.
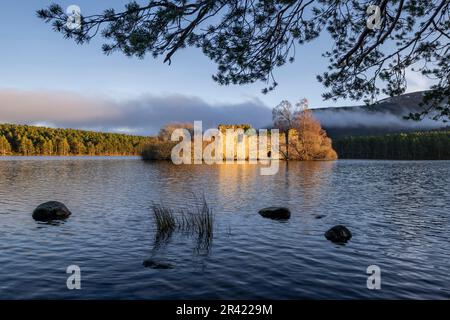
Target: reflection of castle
<point>244,137</point>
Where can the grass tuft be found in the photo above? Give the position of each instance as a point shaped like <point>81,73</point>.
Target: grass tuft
<point>198,220</point>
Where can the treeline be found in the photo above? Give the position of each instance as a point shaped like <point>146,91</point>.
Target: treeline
<point>430,145</point>
<point>30,140</point>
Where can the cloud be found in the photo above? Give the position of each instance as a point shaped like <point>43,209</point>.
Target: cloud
<point>358,119</point>
<point>388,114</point>
<point>144,115</point>
<point>417,81</point>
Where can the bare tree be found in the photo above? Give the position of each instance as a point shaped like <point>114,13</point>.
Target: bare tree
<point>283,116</point>
<point>165,132</point>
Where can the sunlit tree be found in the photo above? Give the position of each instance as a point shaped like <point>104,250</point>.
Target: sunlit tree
<point>310,141</point>
<point>76,147</point>
<point>26,147</point>
<point>5,146</point>
<point>62,147</point>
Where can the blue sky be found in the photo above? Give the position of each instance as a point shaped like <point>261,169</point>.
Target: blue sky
<point>34,59</point>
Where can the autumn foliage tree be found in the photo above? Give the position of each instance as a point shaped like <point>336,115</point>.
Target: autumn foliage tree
<point>5,147</point>
<point>311,141</point>
<point>305,138</point>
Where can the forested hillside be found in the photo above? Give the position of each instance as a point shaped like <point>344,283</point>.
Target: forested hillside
<point>30,140</point>
<point>381,118</point>
<point>432,145</point>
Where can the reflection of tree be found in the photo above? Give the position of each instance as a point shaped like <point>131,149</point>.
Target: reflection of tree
<point>238,182</point>
<point>202,244</point>
<point>196,222</point>
<point>313,178</point>
<point>302,183</point>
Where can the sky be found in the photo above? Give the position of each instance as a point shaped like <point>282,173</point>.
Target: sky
<point>48,80</point>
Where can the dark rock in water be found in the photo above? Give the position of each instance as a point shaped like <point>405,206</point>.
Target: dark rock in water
<point>338,234</point>
<point>320,216</point>
<point>277,213</point>
<point>52,210</point>
<point>156,265</point>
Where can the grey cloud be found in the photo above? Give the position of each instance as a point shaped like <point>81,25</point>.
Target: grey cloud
<point>359,118</point>
<point>386,114</point>
<point>140,116</point>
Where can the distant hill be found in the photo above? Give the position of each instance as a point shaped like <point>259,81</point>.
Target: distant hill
<point>384,117</point>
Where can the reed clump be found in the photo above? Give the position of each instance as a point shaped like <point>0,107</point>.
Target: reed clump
<point>164,218</point>
<point>198,220</point>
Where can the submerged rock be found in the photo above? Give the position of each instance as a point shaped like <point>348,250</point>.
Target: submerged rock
<point>277,213</point>
<point>52,210</point>
<point>338,234</point>
<point>149,263</point>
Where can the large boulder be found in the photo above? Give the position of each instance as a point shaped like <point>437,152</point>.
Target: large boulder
<point>338,234</point>
<point>52,210</point>
<point>276,213</point>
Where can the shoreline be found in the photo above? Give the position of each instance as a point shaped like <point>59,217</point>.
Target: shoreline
<point>68,156</point>
<point>6,157</point>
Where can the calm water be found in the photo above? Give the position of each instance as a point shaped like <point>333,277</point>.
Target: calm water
<point>398,213</point>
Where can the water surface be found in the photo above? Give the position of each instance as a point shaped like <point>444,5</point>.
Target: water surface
<point>397,211</point>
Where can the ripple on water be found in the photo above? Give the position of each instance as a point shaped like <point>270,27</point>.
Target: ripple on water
<point>397,212</point>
